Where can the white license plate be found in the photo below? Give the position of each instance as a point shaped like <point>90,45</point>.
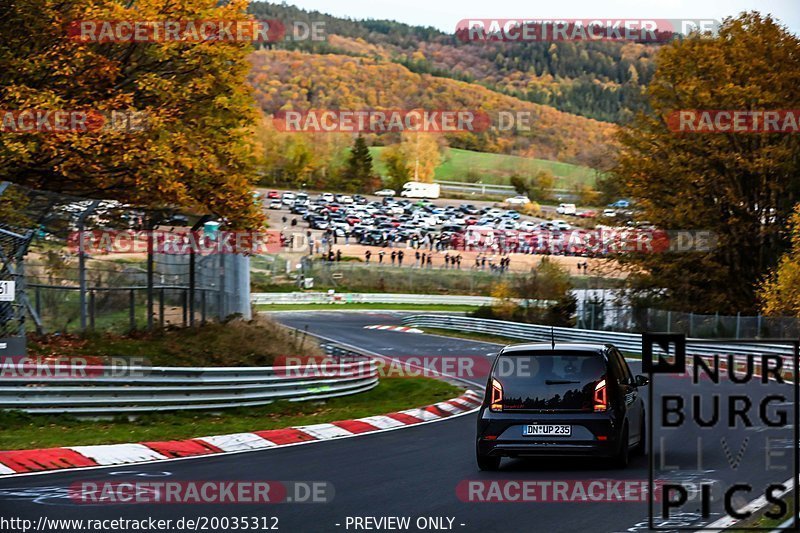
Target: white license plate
<point>543,430</point>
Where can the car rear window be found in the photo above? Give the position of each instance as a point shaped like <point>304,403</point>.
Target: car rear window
<point>549,381</point>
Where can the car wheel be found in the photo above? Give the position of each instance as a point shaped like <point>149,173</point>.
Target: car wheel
<point>622,456</point>
<point>488,462</point>
<point>640,447</point>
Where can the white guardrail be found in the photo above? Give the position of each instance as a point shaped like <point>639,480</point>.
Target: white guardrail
<point>627,342</point>
<point>479,188</point>
<point>490,188</point>
<point>174,389</point>
<point>284,298</point>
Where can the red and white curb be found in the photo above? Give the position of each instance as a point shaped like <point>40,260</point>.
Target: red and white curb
<point>51,459</point>
<point>402,329</point>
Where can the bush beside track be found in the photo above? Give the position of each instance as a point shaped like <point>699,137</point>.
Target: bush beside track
<point>232,343</point>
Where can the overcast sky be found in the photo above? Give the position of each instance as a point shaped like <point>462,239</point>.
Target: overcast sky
<point>445,14</point>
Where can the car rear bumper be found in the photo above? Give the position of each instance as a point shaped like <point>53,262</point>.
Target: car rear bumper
<point>541,448</point>
<point>592,434</point>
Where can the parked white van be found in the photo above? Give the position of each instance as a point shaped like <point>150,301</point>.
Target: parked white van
<point>566,209</point>
<point>415,189</point>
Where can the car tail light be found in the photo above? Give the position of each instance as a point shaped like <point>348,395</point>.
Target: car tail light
<point>601,396</point>
<point>496,403</point>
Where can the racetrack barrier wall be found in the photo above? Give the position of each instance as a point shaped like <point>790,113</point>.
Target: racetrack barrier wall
<point>627,342</point>
<point>180,389</point>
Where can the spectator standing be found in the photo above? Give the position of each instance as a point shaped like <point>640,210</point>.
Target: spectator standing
<point>367,255</point>
<point>338,255</point>
<point>393,256</point>
<point>400,255</point>
<point>380,257</point>
<point>430,260</point>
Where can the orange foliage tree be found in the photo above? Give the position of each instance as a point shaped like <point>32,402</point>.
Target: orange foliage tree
<point>194,148</point>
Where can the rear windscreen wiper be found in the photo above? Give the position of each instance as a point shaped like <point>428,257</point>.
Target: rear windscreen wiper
<point>559,382</point>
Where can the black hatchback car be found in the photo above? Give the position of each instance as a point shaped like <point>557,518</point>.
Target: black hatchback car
<point>561,400</point>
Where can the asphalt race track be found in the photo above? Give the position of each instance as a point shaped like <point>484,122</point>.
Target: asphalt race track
<point>414,472</point>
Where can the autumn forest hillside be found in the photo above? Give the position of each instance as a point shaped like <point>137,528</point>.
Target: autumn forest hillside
<point>301,81</point>
<point>604,80</point>
<point>575,95</point>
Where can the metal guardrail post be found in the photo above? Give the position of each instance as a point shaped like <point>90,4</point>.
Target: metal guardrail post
<point>738,324</point>
<point>221,297</point>
<point>185,306</point>
<point>192,285</point>
<point>82,262</point>
<point>92,308</point>
<point>161,308</point>
<point>132,310</point>
<point>193,268</point>
<point>150,274</point>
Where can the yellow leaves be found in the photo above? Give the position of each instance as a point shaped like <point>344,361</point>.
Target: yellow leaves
<point>779,292</point>
<point>741,187</point>
<point>195,150</point>
<point>504,305</point>
<point>422,155</point>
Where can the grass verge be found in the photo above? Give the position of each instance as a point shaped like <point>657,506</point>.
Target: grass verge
<point>496,339</point>
<point>365,306</point>
<point>498,168</point>
<point>759,520</point>
<point>23,431</point>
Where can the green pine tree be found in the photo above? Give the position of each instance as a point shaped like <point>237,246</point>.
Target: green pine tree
<point>358,174</point>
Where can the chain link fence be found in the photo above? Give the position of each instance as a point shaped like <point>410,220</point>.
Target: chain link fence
<point>63,287</point>
<point>355,276</point>
<point>14,242</point>
<point>610,315</point>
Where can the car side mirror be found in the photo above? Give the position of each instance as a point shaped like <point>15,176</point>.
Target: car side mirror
<point>641,381</point>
